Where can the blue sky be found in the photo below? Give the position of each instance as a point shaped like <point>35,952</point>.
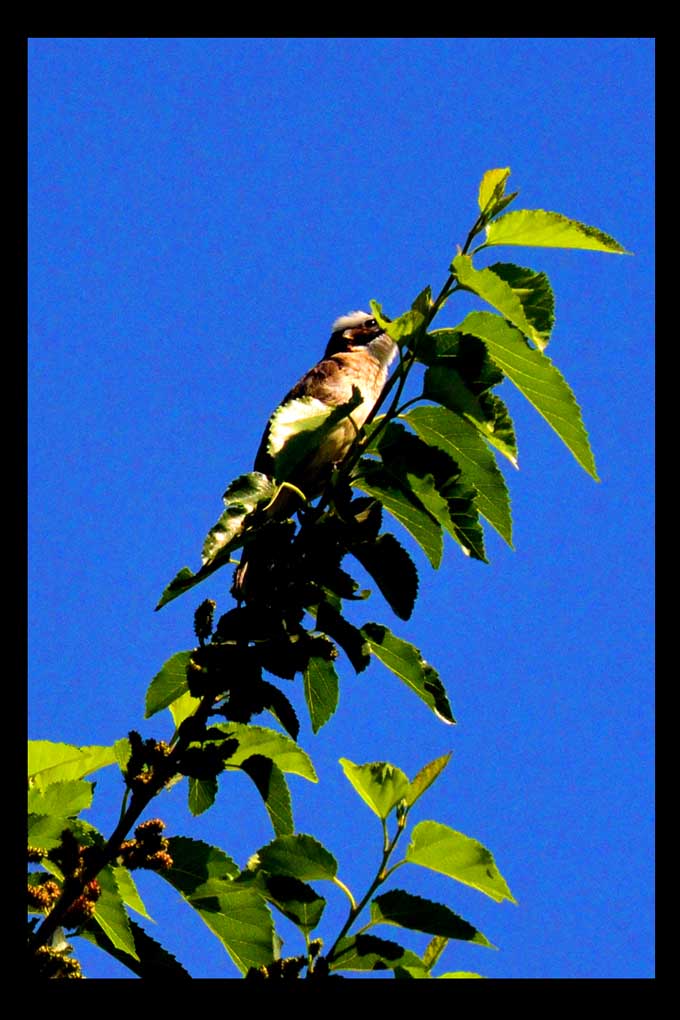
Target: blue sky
<point>200,210</point>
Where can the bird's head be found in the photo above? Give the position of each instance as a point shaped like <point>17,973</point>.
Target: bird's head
<point>359,329</point>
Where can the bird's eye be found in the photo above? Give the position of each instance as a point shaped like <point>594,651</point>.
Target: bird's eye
<point>370,323</point>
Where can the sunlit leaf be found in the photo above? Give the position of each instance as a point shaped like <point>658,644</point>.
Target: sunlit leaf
<point>378,783</point>
<point>168,684</point>
<point>442,849</point>
<point>406,662</point>
<point>540,229</point>
<point>538,379</point>
<point>321,691</point>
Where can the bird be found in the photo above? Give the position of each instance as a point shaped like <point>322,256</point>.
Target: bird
<point>358,354</point>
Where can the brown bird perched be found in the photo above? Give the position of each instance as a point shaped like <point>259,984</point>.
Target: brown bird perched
<point>359,354</point>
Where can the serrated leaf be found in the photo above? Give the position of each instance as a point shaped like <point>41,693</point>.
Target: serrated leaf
<point>110,913</point>
<point>540,229</point>
<point>123,750</point>
<point>496,292</point>
<point>393,571</point>
<point>283,751</point>
<point>451,853</point>
<point>330,621</point>
<point>381,785</point>
<point>426,531</point>
<point>296,900</point>
<point>273,789</point>
<point>426,777</point>
<point>236,914</point>
<point>299,856</point>
<point>198,867</point>
<point>451,433</point>
<point>419,914</point>
<point>241,497</point>
<point>534,291</point>
<point>45,831</point>
<point>538,379</point>
<point>276,702</point>
<point>185,579</point>
<point>368,952</point>
<point>53,763</point>
<point>434,950</point>
<point>492,187</point>
<point>153,960</point>
<point>128,891</point>
<point>202,793</point>
<point>406,662</point>
<point>67,798</point>
<point>168,684</point>
<point>321,691</point>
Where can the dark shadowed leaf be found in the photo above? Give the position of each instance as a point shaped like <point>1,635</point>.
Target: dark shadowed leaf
<point>419,914</point>
<point>393,571</point>
<point>273,789</point>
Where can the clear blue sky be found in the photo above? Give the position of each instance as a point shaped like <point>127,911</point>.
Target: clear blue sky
<point>200,212</point>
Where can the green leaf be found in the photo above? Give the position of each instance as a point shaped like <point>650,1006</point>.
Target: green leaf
<point>152,960</point>
<point>296,900</point>
<point>183,707</point>
<point>419,914</point>
<point>451,433</point>
<point>55,763</point>
<point>299,856</point>
<point>537,378</point>
<point>202,793</point>
<point>168,684</point>
<point>540,229</point>
<point>67,798</point>
<point>111,915</point>
<point>242,496</point>
<point>273,789</point>
<point>393,571</point>
<point>423,302</point>
<point>197,867</point>
<point>434,950</point>
<point>235,913</point>
<point>460,974</point>
<point>128,890</point>
<point>442,849</point>
<point>283,751</point>
<point>497,293</point>
<point>45,831</point>
<point>381,785</point>
<point>407,663</point>
<point>426,777</point>
<point>404,506</point>
<point>535,293</point>
<point>367,952</point>
<point>492,187</point>
<point>321,691</point>
<point>185,579</point>
<point>468,396</point>
<point>406,325</point>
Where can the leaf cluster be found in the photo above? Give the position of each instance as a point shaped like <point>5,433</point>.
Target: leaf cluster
<point>427,459</point>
